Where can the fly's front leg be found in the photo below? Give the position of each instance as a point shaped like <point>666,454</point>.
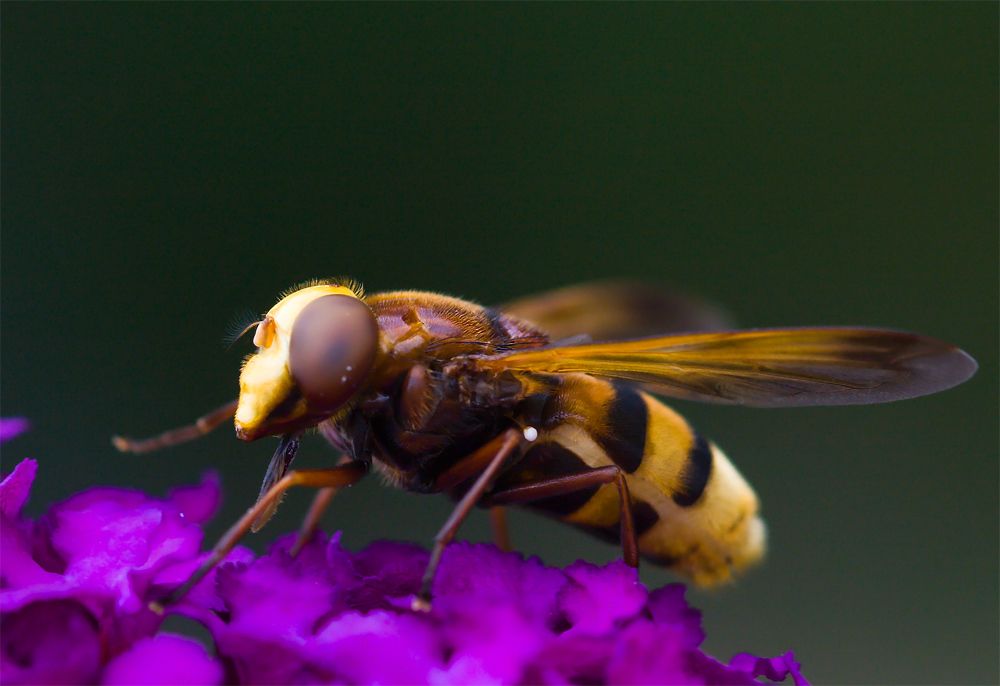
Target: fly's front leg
<point>493,454</point>
<point>202,426</point>
<point>336,477</point>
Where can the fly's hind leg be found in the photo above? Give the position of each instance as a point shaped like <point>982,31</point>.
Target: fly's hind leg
<point>498,520</point>
<point>492,456</point>
<point>574,482</point>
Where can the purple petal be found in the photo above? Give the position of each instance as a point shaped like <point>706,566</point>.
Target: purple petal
<point>125,497</point>
<point>115,548</point>
<point>380,647</point>
<point>51,642</point>
<point>389,571</point>
<point>12,426</point>
<point>465,669</point>
<point>204,592</point>
<point>391,589</point>
<point>493,638</point>
<point>313,554</point>
<point>274,596</point>
<point>18,569</point>
<point>599,599</point>
<point>102,547</point>
<point>198,503</point>
<point>484,571</point>
<point>340,565</point>
<point>16,486</point>
<point>572,658</point>
<point>267,660</point>
<point>774,668</point>
<point>714,673</point>
<point>648,653</point>
<point>377,578</point>
<point>119,631</point>
<point>667,606</point>
<point>164,659</point>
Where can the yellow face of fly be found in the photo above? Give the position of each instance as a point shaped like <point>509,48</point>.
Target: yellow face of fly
<point>271,399</point>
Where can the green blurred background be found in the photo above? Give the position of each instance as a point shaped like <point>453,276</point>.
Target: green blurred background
<point>166,166</point>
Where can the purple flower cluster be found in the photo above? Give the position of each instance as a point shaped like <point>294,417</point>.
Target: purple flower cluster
<point>75,585</point>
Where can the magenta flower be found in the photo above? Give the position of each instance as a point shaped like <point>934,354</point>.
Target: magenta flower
<point>12,426</point>
<point>76,583</point>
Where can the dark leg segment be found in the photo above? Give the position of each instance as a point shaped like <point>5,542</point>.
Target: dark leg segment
<point>573,482</point>
<point>498,519</point>
<point>311,522</point>
<point>475,462</point>
<point>497,450</point>
<point>316,510</point>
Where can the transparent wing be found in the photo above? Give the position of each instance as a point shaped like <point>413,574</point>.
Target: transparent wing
<point>617,310</point>
<point>765,368</point>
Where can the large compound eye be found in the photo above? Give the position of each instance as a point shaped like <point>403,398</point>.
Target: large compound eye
<point>332,348</point>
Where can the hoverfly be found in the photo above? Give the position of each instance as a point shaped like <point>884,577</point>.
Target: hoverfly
<point>489,405</point>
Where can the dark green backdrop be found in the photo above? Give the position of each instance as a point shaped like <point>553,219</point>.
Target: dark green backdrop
<point>166,166</point>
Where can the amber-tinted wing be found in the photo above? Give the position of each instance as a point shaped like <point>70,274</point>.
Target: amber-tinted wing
<point>617,310</point>
<point>765,368</point>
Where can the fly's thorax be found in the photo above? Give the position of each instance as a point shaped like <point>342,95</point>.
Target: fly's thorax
<point>435,326</point>
<point>432,417</point>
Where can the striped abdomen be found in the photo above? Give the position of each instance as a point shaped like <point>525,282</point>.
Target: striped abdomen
<point>693,510</point>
